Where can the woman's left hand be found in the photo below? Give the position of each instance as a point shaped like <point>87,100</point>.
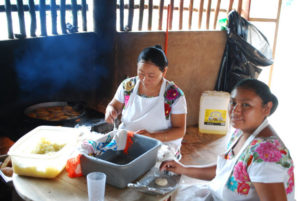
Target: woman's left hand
<point>143,132</point>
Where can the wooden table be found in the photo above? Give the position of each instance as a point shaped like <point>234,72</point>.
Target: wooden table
<point>75,189</point>
<point>196,149</point>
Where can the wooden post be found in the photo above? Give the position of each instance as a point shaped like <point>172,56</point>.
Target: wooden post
<point>200,14</point>
<point>130,15</point>
<point>43,17</point>
<point>121,15</point>
<point>240,4</point>
<point>31,6</point>
<point>9,19</point>
<point>53,17</point>
<point>208,14</point>
<point>171,14</point>
<point>275,40</point>
<point>63,16</point>
<point>74,14</point>
<point>142,4</point>
<point>180,14</point>
<point>150,10</point>
<point>83,11</point>
<point>217,13</point>
<point>21,17</point>
<point>161,11</point>
<point>191,8</point>
<point>230,5</point>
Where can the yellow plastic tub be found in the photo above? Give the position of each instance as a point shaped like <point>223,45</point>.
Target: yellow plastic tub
<point>33,154</point>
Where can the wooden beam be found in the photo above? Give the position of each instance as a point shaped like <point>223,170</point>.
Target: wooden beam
<point>121,15</point>
<point>9,19</point>
<point>31,6</point>
<point>42,6</point>
<point>161,12</point>
<point>75,16</point>
<point>208,10</point>
<point>63,16</point>
<point>21,18</point>
<point>53,17</point>
<point>217,13</point>
<point>142,4</point>
<point>83,11</point>
<point>230,5</point>
<point>130,15</point>
<point>180,14</point>
<point>200,14</point>
<point>150,9</point>
<point>275,40</point>
<point>191,13</point>
<point>240,5</point>
<point>171,14</point>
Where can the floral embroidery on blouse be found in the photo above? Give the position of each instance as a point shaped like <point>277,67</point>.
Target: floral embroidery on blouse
<point>172,93</point>
<point>128,86</point>
<point>267,150</point>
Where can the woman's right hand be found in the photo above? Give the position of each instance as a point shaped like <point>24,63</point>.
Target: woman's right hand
<point>172,166</point>
<point>110,114</point>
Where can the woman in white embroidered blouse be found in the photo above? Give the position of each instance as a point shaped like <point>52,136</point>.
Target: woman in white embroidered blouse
<point>151,105</point>
<point>256,165</point>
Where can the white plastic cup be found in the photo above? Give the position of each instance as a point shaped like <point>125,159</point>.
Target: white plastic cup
<point>96,186</point>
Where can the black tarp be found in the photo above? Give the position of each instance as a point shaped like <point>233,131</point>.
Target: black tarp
<point>246,50</point>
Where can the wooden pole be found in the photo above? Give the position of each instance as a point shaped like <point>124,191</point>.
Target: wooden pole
<point>200,14</point>
<point>43,17</point>
<point>53,17</point>
<point>63,16</point>
<point>75,16</point>
<point>180,14</point>
<point>167,29</point>
<point>31,6</point>
<point>9,19</point>
<point>208,14</point>
<point>142,4</point>
<point>83,11</point>
<point>21,17</point>
<point>191,8</point>
<point>217,13</point>
<point>150,10</point>
<point>130,15</point>
<point>171,15</point>
<point>161,12</point>
<point>121,15</point>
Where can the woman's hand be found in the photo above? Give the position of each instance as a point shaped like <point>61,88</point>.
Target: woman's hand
<point>172,166</point>
<point>112,111</point>
<point>144,132</point>
<point>110,114</point>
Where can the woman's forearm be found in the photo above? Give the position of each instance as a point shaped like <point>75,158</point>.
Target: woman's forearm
<point>198,172</point>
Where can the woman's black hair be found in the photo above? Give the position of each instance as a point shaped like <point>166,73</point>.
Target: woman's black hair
<point>261,89</point>
<point>155,55</point>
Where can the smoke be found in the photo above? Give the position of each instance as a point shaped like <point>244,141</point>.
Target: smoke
<point>64,64</point>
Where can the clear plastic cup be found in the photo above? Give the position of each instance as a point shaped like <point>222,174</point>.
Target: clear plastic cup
<point>96,186</point>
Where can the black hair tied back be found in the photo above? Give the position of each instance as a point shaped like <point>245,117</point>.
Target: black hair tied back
<point>154,55</point>
<point>261,89</point>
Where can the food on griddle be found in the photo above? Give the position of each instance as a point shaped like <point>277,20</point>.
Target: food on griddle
<point>161,181</point>
<point>6,167</point>
<point>44,146</point>
<point>54,113</point>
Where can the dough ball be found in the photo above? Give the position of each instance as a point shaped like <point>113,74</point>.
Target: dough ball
<point>161,181</point>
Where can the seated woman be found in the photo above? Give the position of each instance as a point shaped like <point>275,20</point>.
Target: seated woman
<point>256,165</point>
<point>150,104</point>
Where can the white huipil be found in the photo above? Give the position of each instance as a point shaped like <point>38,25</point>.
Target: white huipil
<point>148,113</point>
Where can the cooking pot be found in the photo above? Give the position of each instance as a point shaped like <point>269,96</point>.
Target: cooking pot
<point>54,113</point>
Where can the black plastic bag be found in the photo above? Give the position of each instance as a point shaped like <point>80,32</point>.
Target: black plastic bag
<point>246,49</point>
